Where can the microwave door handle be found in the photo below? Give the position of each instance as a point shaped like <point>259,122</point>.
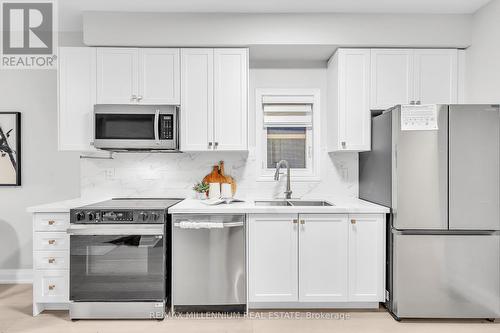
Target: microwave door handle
<point>156,127</point>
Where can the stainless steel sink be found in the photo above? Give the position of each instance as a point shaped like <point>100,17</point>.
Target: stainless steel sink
<point>272,203</point>
<point>284,203</point>
<point>310,203</point>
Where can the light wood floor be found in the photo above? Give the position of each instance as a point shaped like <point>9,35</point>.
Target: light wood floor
<point>15,316</point>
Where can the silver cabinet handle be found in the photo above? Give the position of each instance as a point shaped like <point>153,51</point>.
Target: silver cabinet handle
<point>412,102</point>
<point>295,221</point>
<point>302,222</point>
<point>216,144</point>
<point>343,144</point>
<point>418,103</point>
<point>139,98</point>
<point>210,145</point>
<point>134,97</point>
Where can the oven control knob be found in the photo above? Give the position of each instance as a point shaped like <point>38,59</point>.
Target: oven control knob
<point>143,216</point>
<point>91,216</point>
<point>80,216</point>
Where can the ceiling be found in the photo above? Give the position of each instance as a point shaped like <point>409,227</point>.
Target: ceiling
<point>70,11</point>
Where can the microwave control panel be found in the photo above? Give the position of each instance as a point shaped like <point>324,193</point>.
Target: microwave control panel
<point>166,127</point>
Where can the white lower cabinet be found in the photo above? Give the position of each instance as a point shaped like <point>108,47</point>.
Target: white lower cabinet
<point>316,258</point>
<point>366,257</point>
<point>50,262</point>
<point>272,258</point>
<point>323,258</point>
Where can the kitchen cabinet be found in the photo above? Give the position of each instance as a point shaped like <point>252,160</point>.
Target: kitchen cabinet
<point>366,257</point>
<point>77,96</point>
<point>323,265</point>
<point>273,258</point>
<point>391,78</point>
<point>436,76</point>
<point>214,99</point>
<point>420,76</point>
<point>348,84</point>
<point>50,262</point>
<point>138,76</point>
<point>316,258</point>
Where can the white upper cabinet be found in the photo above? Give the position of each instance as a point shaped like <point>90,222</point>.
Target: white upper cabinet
<point>436,76</point>
<point>323,267</point>
<point>230,99</point>
<point>214,99</point>
<point>117,75</point>
<point>197,101</point>
<point>391,77</point>
<point>144,76</point>
<point>159,76</point>
<point>272,258</point>
<point>348,79</point>
<point>419,76</point>
<point>366,258</point>
<point>77,96</point>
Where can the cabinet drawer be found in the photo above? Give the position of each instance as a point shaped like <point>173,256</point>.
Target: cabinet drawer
<point>51,286</point>
<point>51,241</point>
<point>51,260</point>
<point>51,222</point>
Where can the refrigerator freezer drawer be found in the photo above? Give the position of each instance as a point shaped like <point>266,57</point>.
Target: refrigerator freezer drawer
<point>446,276</point>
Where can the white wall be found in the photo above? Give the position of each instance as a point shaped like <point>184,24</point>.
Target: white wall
<point>174,174</point>
<point>184,29</point>
<point>483,57</point>
<point>47,175</point>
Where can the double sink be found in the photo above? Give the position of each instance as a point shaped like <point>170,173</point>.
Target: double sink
<point>297,203</point>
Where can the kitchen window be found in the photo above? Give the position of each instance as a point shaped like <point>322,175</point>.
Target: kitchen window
<point>287,129</point>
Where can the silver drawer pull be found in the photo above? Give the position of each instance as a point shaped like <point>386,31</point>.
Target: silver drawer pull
<point>52,260</point>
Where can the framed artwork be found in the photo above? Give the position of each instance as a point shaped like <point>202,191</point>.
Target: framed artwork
<point>10,148</point>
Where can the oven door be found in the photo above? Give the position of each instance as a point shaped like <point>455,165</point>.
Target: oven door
<point>117,263</point>
<point>130,127</point>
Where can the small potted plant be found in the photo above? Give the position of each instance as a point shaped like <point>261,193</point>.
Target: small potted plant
<point>201,190</point>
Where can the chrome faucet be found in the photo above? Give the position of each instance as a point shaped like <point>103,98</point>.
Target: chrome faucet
<point>288,192</point>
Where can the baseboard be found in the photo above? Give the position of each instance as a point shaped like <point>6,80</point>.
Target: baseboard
<point>14,276</point>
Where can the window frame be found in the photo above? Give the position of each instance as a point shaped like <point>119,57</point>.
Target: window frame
<point>313,135</point>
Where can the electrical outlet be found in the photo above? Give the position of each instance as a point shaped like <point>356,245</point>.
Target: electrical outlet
<point>109,174</point>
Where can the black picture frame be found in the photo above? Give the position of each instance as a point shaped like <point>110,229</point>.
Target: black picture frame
<point>5,148</point>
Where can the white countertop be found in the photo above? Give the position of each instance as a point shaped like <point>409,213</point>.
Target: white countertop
<point>194,206</point>
<point>62,206</point>
<point>248,207</point>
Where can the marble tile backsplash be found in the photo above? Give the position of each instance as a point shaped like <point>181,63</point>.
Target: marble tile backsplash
<point>173,175</point>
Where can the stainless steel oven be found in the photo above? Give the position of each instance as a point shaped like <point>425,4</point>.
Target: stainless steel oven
<point>136,127</point>
<point>118,259</point>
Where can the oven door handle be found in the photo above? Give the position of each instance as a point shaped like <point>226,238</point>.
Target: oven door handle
<point>97,230</point>
<point>157,127</point>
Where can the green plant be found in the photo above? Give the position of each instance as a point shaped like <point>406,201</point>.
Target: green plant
<point>201,187</point>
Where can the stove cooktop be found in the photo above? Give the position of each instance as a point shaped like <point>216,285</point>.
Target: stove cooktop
<point>134,203</point>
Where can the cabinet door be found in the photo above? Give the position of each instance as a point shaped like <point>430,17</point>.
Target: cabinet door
<point>196,117</point>
<point>272,257</point>
<point>366,257</point>
<point>391,78</point>
<point>77,96</point>
<point>323,258</point>
<point>159,76</point>
<point>117,71</point>
<point>354,98</point>
<point>230,99</point>
<point>436,76</point>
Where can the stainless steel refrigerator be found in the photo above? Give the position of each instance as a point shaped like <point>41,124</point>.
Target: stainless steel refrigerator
<point>442,184</point>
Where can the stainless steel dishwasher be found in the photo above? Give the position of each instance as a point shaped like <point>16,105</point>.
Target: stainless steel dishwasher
<point>208,263</point>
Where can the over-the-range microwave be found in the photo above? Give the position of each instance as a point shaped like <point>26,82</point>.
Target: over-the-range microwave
<point>136,127</point>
